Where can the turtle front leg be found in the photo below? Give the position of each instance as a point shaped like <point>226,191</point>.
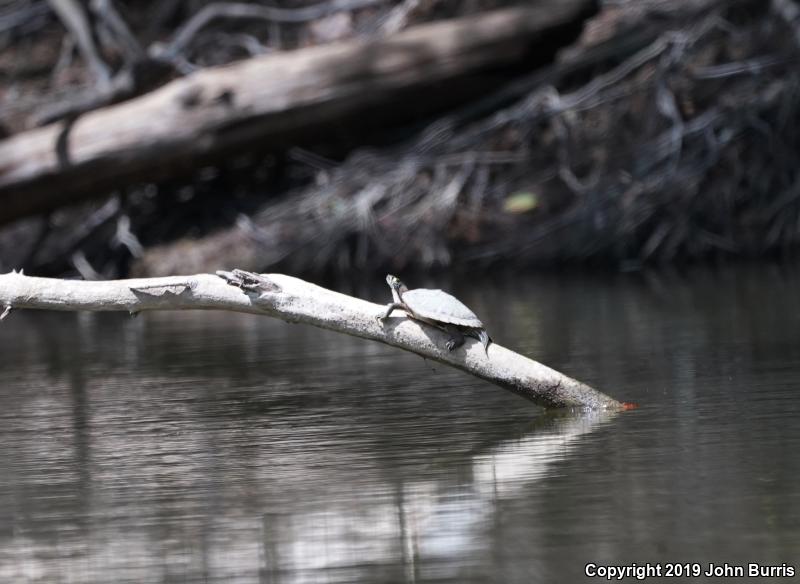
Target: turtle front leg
<point>456,338</point>
<point>391,307</point>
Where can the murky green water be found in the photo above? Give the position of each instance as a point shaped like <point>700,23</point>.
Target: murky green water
<point>213,447</point>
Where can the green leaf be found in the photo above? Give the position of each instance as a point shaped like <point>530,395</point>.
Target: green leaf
<point>522,202</point>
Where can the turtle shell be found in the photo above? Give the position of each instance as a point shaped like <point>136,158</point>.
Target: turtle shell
<point>441,307</point>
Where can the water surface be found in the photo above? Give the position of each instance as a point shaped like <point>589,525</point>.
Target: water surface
<point>215,447</point>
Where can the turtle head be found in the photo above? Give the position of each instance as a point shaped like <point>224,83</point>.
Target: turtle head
<point>396,285</point>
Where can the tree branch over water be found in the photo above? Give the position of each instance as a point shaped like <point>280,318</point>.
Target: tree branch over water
<point>296,301</point>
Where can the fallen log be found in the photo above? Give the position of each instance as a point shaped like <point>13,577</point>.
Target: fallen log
<point>266,100</point>
<point>294,300</point>
<point>261,243</point>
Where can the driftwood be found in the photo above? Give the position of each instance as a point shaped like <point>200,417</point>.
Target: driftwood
<point>266,100</point>
<point>640,163</point>
<point>295,300</point>
<point>374,185</point>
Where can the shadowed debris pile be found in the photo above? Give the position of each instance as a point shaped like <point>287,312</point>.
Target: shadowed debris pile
<point>685,149</point>
<point>667,132</point>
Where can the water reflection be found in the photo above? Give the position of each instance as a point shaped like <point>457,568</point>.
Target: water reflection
<point>226,448</point>
<point>426,523</point>
<point>188,462</point>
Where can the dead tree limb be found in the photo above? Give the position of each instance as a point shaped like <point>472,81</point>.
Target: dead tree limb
<point>294,300</point>
<point>116,25</point>
<point>140,74</point>
<point>75,20</point>
<point>265,100</point>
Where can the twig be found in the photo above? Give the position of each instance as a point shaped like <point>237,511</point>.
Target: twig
<point>124,236</point>
<point>19,17</point>
<point>81,263</point>
<point>140,74</point>
<point>134,79</point>
<point>668,107</point>
<point>237,10</point>
<point>64,57</point>
<point>748,67</point>
<point>72,15</point>
<point>397,19</point>
<point>107,12</point>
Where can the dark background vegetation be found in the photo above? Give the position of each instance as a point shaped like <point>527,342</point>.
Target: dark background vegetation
<point>646,132</point>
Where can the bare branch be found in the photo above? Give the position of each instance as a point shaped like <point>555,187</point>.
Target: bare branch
<point>26,16</point>
<point>294,300</point>
<point>397,19</point>
<point>106,10</point>
<point>746,67</point>
<point>240,10</point>
<point>74,18</point>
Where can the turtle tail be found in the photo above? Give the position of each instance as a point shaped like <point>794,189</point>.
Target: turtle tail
<point>484,338</point>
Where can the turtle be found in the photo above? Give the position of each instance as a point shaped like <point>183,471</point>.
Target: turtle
<point>439,309</point>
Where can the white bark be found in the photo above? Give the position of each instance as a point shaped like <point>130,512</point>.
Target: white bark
<point>266,102</point>
<point>295,300</point>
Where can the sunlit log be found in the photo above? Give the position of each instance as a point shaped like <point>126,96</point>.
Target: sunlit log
<point>294,300</point>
